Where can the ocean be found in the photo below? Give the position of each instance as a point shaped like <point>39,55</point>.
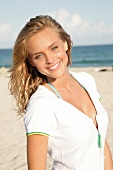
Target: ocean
<point>82,56</point>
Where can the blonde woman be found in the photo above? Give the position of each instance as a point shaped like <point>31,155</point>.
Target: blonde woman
<point>62,112</point>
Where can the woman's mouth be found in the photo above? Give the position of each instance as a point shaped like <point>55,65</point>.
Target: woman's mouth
<point>54,67</point>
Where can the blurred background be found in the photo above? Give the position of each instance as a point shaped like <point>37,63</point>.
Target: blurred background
<point>90,24</point>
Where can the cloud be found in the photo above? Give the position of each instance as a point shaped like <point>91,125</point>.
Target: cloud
<point>110,29</point>
<point>82,31</point>
<point>7,36</point>
<point>67,20</point>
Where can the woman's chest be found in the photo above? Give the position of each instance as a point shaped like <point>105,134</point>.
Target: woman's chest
<point>81,100</point>
<point>74,123</point>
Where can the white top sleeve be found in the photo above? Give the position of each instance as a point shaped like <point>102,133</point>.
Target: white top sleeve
<point>92,85</point>
<point>88,82</point>
<point>39,117</point>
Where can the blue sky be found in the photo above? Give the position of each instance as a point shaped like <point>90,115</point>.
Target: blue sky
<point>88,22</point>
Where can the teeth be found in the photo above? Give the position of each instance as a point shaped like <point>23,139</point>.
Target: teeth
<point>52,68</point>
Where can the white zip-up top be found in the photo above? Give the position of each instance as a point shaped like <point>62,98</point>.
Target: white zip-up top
<point>73,137</point>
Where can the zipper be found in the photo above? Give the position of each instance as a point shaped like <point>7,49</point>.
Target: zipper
<point>99,140</point>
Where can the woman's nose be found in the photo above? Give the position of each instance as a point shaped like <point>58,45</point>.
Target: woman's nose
<point>49,59</point>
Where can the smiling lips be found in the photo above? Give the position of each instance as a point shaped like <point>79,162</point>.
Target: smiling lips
<point>54,67</point>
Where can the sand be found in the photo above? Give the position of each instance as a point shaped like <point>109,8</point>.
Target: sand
<point>13,138</point>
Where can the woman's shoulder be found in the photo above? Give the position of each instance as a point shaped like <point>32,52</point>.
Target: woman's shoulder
<point>82,76</point>
<point>85,79</point>
<point>41,95</point>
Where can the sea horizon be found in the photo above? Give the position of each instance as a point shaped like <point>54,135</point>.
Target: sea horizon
<point>81,45</point>
<point>82,56</point>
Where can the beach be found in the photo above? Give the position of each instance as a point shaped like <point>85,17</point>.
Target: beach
<point>13,136</point>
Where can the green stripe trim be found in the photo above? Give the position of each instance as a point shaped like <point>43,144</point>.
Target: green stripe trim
<point>37,133</point>
<point>100,99</point>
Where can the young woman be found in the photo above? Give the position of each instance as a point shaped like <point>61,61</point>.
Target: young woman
<point>63,115</point>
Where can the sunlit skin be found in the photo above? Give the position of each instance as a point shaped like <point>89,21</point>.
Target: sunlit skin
<point>48,54</point>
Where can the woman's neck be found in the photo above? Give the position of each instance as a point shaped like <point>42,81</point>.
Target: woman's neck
<point>64,82</point>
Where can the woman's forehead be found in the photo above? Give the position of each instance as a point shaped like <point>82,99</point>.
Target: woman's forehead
<point>46,37</point>
<point>46,33</point>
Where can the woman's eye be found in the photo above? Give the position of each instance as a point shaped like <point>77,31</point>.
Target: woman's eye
<point>54,48</point>
<point>38,56</point>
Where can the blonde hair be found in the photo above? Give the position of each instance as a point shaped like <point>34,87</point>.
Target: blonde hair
<point>25,79</point>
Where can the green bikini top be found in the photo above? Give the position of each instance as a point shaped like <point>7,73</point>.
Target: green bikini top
<point>53,88</point>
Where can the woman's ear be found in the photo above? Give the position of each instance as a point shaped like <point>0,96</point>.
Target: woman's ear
<point>65,46</point>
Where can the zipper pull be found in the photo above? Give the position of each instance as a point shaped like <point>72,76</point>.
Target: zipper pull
<point>99,140</point>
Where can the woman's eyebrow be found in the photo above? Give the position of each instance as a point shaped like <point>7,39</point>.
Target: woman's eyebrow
<point>35,53</point>
<point>52,44</point>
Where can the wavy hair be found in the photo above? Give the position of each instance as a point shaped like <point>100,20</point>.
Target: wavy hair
<point>25,79</point>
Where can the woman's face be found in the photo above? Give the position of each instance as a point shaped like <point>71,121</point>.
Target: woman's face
<point>48,53</point>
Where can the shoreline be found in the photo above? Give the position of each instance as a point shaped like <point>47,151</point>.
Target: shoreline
<point>4,69</point>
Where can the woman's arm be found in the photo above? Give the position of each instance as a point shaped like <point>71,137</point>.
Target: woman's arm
<point>108,158</point>
<point>37,152</point>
